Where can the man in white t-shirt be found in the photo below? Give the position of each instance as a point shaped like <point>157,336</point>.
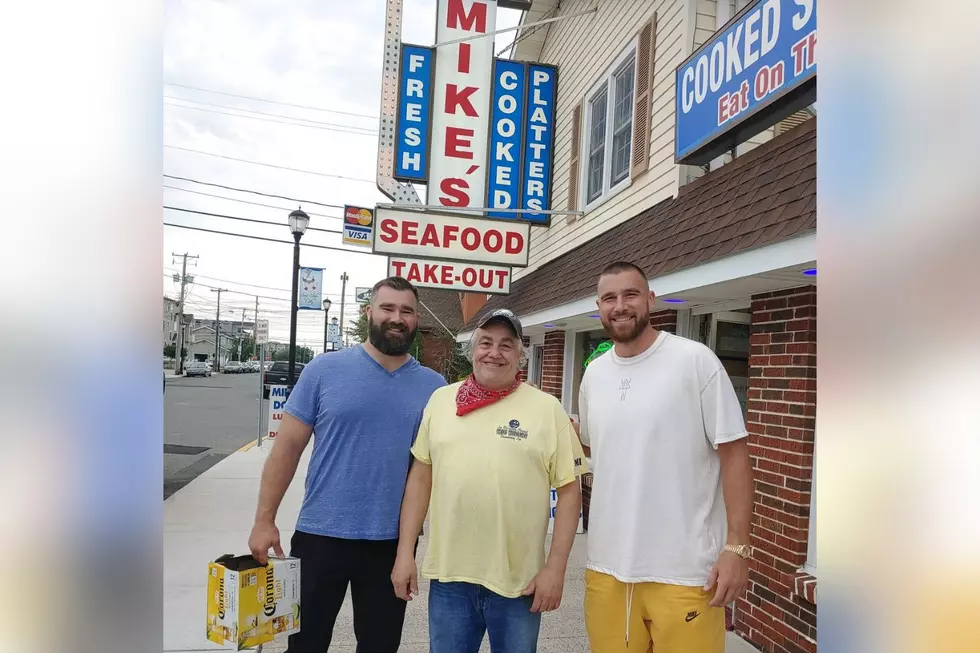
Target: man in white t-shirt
<point>672,490</point>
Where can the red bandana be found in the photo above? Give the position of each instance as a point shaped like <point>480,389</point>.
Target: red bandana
<point>471,395</point>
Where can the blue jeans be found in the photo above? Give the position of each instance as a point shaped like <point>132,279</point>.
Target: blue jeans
<point>460,613</point>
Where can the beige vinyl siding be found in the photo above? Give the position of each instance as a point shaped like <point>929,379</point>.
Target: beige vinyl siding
<point>584,49</point>
<point>706,25</point>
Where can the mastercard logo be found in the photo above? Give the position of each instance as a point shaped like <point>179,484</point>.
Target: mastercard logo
<point>360,217</point>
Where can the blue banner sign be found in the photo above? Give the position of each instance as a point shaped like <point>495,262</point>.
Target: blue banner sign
<point>539,142</point>
<point>743,72</point>
<point>412,131</point>
<point>506,137</point>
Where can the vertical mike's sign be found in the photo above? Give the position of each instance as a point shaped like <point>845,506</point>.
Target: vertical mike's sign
<point>461,103</point>
<point>755,71</point>
<point>506,136</point>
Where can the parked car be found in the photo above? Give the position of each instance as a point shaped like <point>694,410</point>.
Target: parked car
<point>197,368</point>
<point>233,368</point>
<point>278,374</point>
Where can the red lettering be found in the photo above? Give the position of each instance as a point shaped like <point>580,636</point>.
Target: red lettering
<point>389,231</point>
<point>430,273</point>
<point>723,109</point>
<point>456,98</point>
<point>797,52</point>
<point>493,241</point>
<point>744,96</point>
<point>413,273</point>
<point>457,137</point>
<point>398,266</point>
<point>469,277</point>
<point>455,188</point>
<point>471,239</point>
<point>430,236</point>
<point>463,61</point>
<point>447,275</point>
<point>502,276</point>
<point>410,232</point>
<point>811,49</point>
<point>449,234</point>
<point>515,242</point>
<point>486,281</point>
<point>458,18</point>
<point>762,83</point>
<point>778,75</point>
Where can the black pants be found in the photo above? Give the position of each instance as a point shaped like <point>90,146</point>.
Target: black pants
<point>328,566</point>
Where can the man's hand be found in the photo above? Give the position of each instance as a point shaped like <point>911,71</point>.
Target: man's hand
<point>404,577</point>
<point>546,587</point>
<point>264,536</point>
<point>731,575</point>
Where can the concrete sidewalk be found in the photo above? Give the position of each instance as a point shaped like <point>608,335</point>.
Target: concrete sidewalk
<point>213,515</point>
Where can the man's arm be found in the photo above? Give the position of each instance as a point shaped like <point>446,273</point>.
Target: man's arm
<point>415,504</point>
<point>277,474</point>
<point>738,488</point>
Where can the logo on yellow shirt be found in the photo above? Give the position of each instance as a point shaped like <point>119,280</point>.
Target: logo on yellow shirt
<point>512,431</point>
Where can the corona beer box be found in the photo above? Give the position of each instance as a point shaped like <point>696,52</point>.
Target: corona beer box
<point>249,604</point>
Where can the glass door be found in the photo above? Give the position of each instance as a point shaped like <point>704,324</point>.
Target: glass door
<point>729,339</point>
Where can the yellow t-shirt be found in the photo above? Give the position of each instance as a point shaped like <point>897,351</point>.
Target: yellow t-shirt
<point>492,472</point>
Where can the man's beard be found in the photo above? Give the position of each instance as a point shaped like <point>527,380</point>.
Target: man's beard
<point>396,343</point>
<point>616,333</point>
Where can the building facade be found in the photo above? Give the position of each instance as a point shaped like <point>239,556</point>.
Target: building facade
<point>729,248</point>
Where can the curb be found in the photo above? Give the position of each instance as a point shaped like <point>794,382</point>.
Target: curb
<point>248,446</point>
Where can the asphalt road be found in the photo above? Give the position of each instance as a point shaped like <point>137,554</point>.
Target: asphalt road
<point>204,420</point>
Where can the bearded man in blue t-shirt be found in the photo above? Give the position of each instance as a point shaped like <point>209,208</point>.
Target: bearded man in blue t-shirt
<point>363,407</point>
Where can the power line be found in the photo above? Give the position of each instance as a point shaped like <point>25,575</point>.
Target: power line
<point>232,217</point>
<point>254,192</point>
<point>285,104</point>
<point>252,285</point>
<point>271,240</point>
<point>234,199</point>
<point>281,122</point>
<point>269,165</point>
<point>273,115</point>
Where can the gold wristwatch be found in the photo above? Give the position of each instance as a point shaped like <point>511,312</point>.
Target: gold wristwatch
<point>741,550</point>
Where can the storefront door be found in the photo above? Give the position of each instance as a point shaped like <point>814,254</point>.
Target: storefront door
<point>729,339</point>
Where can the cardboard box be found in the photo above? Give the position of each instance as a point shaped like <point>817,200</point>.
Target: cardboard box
<point>249,604</point>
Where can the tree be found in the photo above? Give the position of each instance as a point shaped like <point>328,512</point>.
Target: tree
<point>170,351</point>
<point>303,355</point>
<point>248,348</point>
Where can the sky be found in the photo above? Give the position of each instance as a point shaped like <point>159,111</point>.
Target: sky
<point>324,55</point>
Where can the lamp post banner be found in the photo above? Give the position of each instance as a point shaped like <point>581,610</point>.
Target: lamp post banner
<point>310,289</point>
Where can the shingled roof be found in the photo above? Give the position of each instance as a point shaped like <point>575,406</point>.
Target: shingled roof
<point>763,197</point>
<point>445,304</point>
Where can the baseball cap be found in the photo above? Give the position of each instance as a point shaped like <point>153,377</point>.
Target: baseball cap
<point>503,315</point>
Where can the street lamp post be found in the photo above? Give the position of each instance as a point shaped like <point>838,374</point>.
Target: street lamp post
<point>326,322</point>
<point>298,222</point>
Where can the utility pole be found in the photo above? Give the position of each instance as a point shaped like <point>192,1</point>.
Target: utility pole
<point>241,334</point>
<point>179,368</point>
<point>343,298</point>
<point>217,330</point>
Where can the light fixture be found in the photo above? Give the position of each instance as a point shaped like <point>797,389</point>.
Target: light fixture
<point>810,272</point>
<point>595,316</point>
<point>326,304</point>
<point>548,326</point>
<point>674,300</point>
<point>298,222</point>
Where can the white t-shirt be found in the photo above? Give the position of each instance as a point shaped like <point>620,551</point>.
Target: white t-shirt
<point>654,422</point>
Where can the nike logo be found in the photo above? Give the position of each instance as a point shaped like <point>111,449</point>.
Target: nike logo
<point>691,616</point>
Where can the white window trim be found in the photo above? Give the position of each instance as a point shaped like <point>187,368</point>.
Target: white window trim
<point>608,192</point>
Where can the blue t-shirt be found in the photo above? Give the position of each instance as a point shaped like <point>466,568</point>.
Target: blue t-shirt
<point>364,421</point>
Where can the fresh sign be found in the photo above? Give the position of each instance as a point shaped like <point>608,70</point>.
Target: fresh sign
<point>412,130</point>
<point>736,79</point>
<point>539,144</point>
<point>461,106</point>
<point>451,275</point>
<point>451,237</point>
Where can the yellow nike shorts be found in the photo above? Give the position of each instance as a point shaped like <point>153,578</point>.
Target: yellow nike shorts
<point>643,617</point>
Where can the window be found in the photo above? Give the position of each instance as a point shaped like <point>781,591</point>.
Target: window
<point>609,130</point>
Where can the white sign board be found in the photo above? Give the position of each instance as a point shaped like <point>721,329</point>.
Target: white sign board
<point>362,295</point>
<point>451,237</point>
<point>277,404</point>
<point>262,332</point>
<point>551,513</point>
<point>461,103</point>
<point>452,275</point>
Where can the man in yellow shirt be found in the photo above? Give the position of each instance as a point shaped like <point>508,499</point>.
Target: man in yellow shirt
<point>487,454</point>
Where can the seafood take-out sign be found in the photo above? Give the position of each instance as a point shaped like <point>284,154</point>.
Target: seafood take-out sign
<point>479,133</point>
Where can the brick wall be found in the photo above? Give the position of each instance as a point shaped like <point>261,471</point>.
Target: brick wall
<point>437,351</point>
<point>664,320</point>
<point>778,613</point>
<point>553,363</point>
